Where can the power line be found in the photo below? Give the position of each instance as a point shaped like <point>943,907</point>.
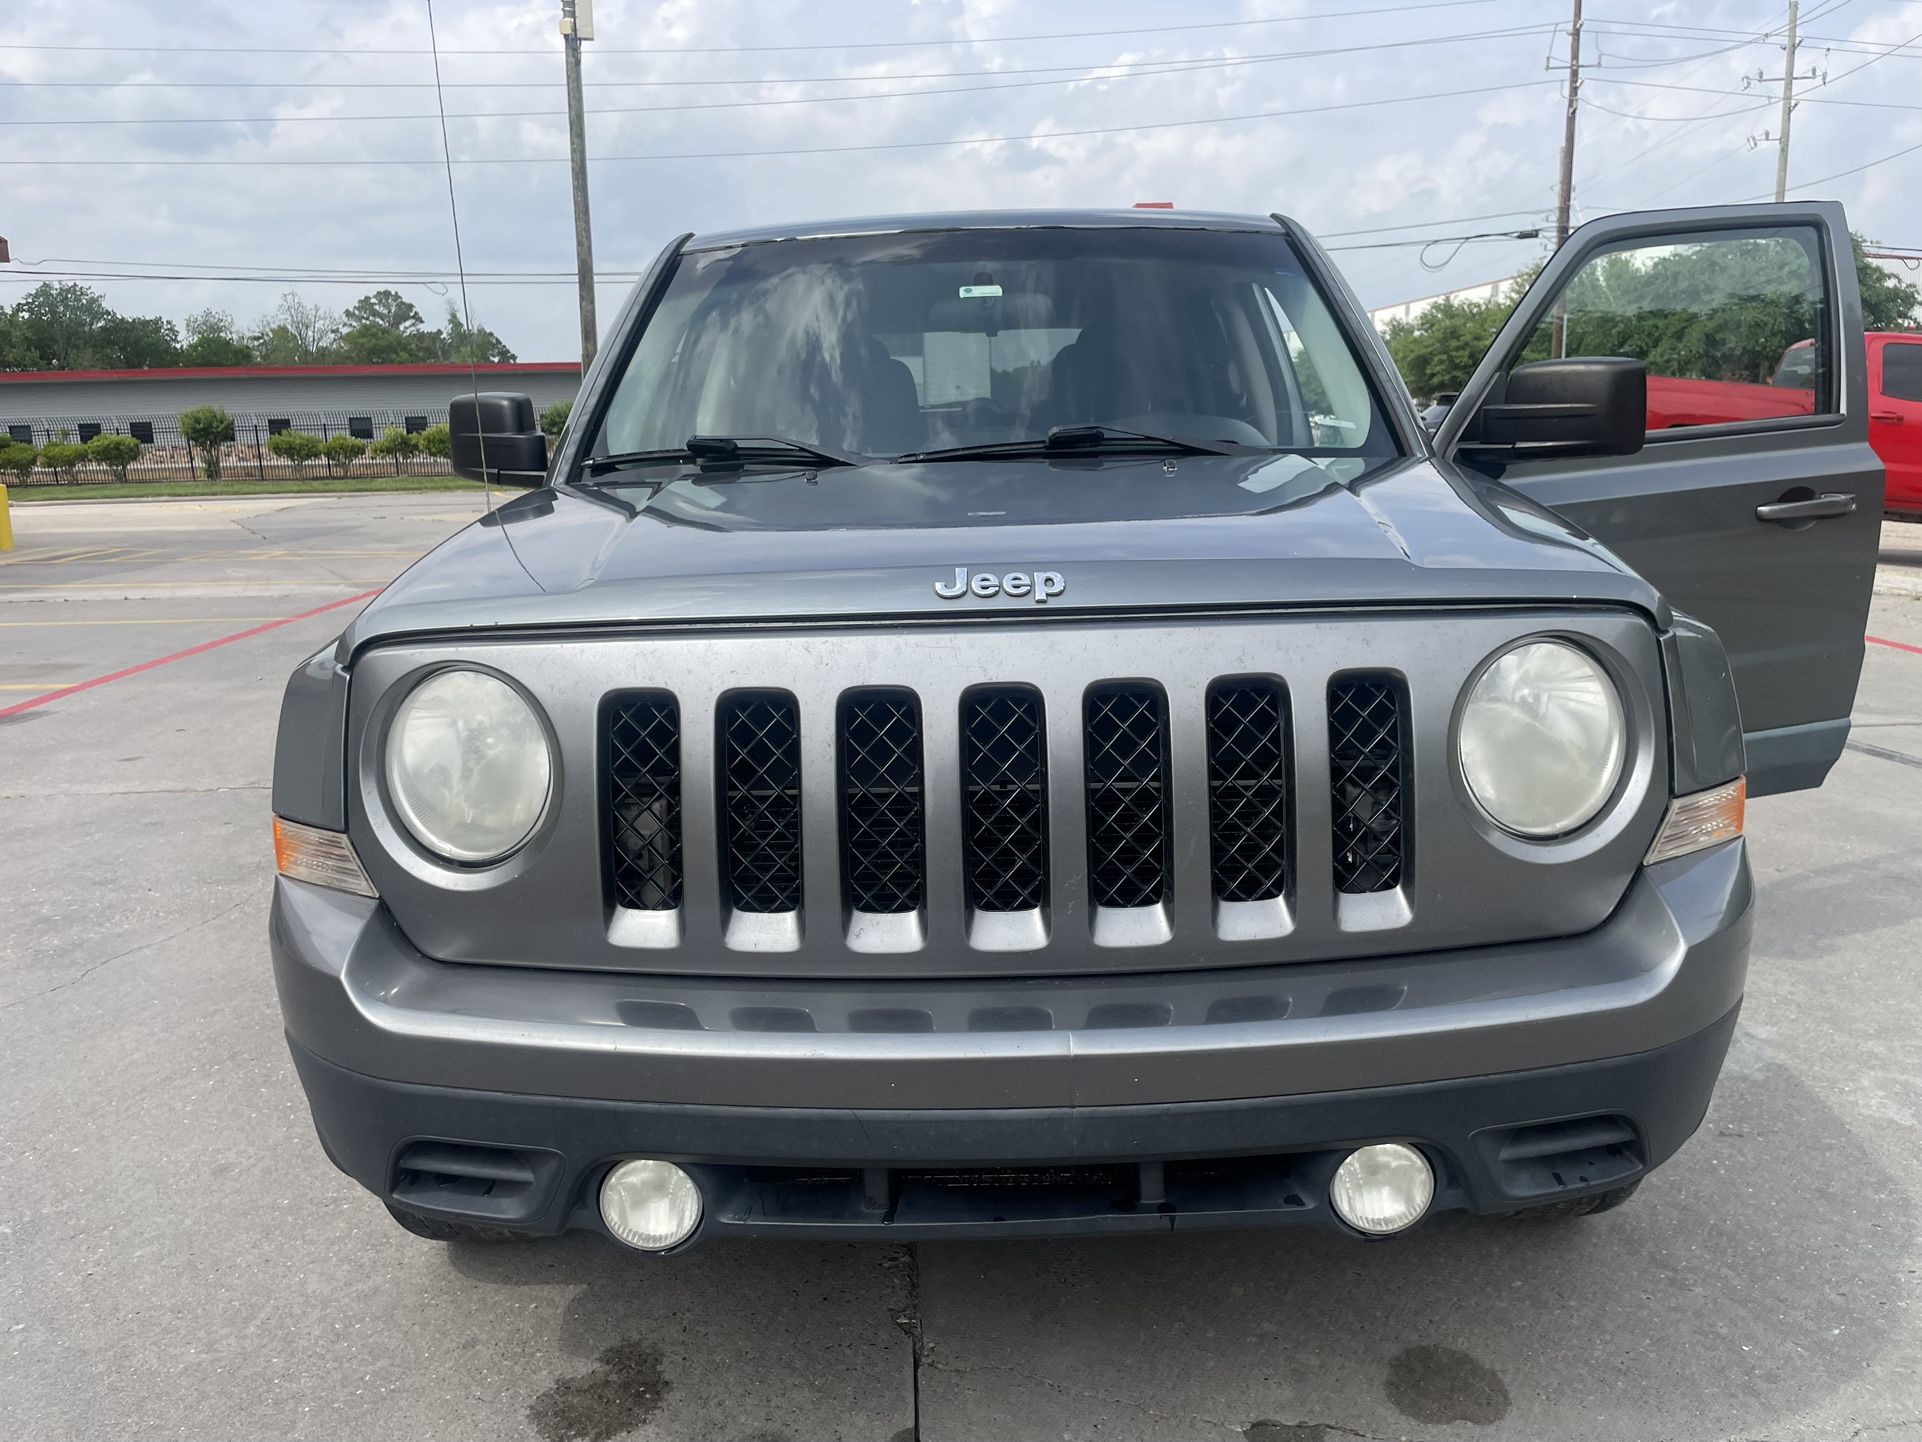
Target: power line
<point>766,49</point>
<point>1840,174</point>
<point>373,274</point>
<point>1173,68</point>
<point>148,162</point>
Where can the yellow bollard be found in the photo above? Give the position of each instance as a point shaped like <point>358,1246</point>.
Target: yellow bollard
<point>6,522</point>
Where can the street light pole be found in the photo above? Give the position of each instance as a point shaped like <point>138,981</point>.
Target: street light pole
<point>577,24</point>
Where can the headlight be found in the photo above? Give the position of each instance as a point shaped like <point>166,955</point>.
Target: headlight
<point>468,765</point>
<point>1541,739</point>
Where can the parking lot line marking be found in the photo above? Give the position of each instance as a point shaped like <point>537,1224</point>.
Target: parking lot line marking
<point>1894,645</point>
<point>135,670</point>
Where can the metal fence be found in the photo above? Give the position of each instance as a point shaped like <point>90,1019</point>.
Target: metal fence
<point>166,456</point>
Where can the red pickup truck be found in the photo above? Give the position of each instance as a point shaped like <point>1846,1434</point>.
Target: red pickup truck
<point>1895,404</point>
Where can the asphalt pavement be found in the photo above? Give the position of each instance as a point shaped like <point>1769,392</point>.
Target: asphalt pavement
<point>178,1259</point>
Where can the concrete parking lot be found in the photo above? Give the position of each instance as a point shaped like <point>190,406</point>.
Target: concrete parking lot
<point>177,1258</point>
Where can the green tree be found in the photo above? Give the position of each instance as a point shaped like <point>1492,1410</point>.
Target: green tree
<point>212,339</point>
<point>114,452</point>
<point>17,459</point>
<point>296,447</point>
<point>128,342</point>
<point>554,418</point>
<point>397,445</point>
<point>206,429</point>
<point>455,342</point>
<point>385,328</point>
<point>295,333</point>
<point>62,457</point>
<point>385,308</point>
<point>341,453</point>
<point>1888,301</point>
<point>1439,348</point>
<point>437,441</point>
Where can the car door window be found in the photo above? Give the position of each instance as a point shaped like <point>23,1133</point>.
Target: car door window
<point>1902,370</point>
<point>1729,324</point>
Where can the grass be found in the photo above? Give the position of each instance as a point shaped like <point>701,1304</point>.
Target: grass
<point>137,490</point>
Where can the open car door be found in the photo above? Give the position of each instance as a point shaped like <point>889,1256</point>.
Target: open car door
<point>1755,503</point>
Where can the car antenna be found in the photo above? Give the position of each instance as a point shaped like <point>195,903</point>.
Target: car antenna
<point>460,263</point>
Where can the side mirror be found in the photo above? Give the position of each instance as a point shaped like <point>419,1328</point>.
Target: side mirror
<point>494,437</point>
<point>1586,406</point>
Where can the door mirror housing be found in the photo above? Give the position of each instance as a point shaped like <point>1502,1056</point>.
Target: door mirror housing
<point>494,437</point>
<point>1586,406</point>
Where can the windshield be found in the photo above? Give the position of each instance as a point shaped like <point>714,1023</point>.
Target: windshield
<point>890,344</point>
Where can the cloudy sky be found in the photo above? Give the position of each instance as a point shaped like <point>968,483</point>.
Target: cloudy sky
<point>1376,122</point>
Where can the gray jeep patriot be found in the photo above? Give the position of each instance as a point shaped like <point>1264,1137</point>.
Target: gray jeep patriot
<point>1006,724</point>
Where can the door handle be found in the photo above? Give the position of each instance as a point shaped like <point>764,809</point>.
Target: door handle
<point>1815,508</point>
<point>1890,418</point>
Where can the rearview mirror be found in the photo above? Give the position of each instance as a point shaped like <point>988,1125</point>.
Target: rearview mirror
<point>494,437</point>
<point>1585,406</point>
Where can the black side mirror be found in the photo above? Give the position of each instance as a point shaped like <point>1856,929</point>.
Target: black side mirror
<point>494,437</point>
<point>1585,406</point>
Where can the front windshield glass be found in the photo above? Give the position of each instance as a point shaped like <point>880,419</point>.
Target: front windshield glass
<point>890,344</point>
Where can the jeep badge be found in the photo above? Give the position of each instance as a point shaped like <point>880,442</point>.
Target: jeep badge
<point>1044,586</point>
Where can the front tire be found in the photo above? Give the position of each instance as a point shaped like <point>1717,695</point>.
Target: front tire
<point>440,1229</point>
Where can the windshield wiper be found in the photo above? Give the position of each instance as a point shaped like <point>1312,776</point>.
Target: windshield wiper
<point>725,451</point>
<point>1081,440</point>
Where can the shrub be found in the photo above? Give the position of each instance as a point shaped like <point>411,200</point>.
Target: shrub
<point>554,418</point>
<point>116,453</point>
<point>17,458</point>
<point>437,441</point>
<point>206,429</point>
<point>62,458</point>
<point>341,453</point>
<point>397,445</point>
<point>297,447</point>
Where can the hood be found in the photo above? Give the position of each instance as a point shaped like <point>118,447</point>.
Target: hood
<point>874,542</point>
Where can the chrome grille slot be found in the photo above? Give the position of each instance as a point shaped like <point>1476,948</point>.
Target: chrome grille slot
<point>1004,774</point>
<point>1127,779</point>
<point>881,802</point>
<point>1367,756</point>
<point>1248,790</point>
<point>642,795</point>
<point>760,743</point>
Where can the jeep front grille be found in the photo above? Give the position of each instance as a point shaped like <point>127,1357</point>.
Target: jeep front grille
<point>881,821</point>
<point>761,767</point>
<point>1127,750</point>
<point>881,807</point>
<point>644,802</point>
<point>1248,790</point>
<point>1004,778</point>
<point>1366,751</point>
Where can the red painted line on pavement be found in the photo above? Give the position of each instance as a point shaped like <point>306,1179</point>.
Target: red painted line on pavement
<point>88,685</point>
<point>1895,645</point>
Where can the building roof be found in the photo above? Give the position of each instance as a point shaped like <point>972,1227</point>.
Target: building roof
<point>203,373</point>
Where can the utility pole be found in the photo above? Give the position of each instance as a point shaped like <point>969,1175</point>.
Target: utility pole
<point>577,24</point>
<point>1788,108</point>
<point>1564,193</point>
<point>1566,190</point>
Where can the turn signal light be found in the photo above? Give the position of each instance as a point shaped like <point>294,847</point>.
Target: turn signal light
<point>325,858</point>
<point>1695,823</point>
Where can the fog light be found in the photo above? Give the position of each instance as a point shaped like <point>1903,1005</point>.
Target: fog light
<point>651,1205</point>
<point>1383,1188</point>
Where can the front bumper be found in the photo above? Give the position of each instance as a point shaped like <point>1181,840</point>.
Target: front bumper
<point>1526,1073</point>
